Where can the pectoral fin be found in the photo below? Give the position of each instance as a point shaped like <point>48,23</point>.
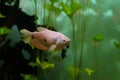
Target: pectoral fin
<point>52,47</point>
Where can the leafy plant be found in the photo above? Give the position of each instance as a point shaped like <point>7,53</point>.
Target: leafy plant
<point>89,71</point>
<point>28,77</point>
<point>43,65</point>
<point>70,10</point>
<point>74,71</point>
<point>117,44</point>
<point>52,8</point>
<point>4,30</point>
<point>98,38</point>
<point>1,16</point>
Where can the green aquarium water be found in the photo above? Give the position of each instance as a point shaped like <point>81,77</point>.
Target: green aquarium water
<point>93,27</point>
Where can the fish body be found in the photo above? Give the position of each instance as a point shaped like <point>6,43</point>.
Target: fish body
<point>45,39</point>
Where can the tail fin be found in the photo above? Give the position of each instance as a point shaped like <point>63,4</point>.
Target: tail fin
<point>26,35</point>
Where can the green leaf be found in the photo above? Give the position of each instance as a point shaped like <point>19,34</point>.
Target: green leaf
<point>67,9</point>
<point>89,71</point>
<point>52,8</point>
<point>45,65</point>
<point>117,44</point>
<point>4,30</point>
<point>28,77</point>
<point>76,6</point>
<point>70,10</point>
<point>1,16</point>
<point>33,64</point>
<point>98,38</point>
<point>74,71</point>
<point>9,1</point>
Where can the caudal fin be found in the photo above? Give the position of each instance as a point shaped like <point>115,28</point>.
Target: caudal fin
<point>26,35</point>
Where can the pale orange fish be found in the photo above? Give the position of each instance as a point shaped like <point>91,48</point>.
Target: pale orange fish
<point>45,39</point>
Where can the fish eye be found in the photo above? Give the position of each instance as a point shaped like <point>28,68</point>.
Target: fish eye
<point>63,40</point>
<point>45,40</point>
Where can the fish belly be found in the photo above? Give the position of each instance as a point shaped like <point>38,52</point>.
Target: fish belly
<point>39,45</point>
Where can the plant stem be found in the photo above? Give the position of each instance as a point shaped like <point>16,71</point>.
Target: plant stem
<point>74,48</point>
<point>44,4</point>
<point>83,33</point>
<point>74,45</point>
<point>95,62</point>
<point>35,2</point>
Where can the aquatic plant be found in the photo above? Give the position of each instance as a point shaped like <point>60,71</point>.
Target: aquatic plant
<point>55,7</point>
<point>117,44</point>
<point>89,71</point>
<point>98,38</point>
<point>28,77</point>
<point>4,30</point>
<point>42,64</point>
<point>70,10</point>
<point>2,16</point>
<point>74,71</point>
<point>92,25</point>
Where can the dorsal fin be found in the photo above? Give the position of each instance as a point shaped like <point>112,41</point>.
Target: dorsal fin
<point>41,28</point>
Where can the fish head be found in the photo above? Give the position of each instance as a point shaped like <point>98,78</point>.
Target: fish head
<point>63,41</point>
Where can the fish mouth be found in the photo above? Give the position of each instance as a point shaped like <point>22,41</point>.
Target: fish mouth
<point>67,42</point>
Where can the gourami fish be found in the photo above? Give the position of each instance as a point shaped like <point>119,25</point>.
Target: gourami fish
<point>45,39</point>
